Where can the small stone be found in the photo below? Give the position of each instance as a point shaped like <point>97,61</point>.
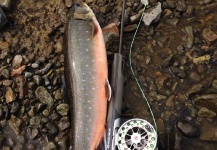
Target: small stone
<point>209,35</point>
<point>15,107</point>
<point>130,28</point>
<point>52,127</point>
<point>28,74</point>
<point>181,6</point>
<point>34,133</point>
<point>18,71</point>
<point>35,121</point>
<point>107,8</point>
<point>46,80</point>
<point>68,3</point>
<point>160,125</point>
<point>172,21</point>
<point>17,61</point>
<point>58,48</point>
<point>31,112</point>
<point>55,116</point>
<point>187,129</point>
<point>190,40</point>
<point>152,14</point>
<point>135,18</point>
<point>22,86</point>
<point>58,94</point>
<point>10,96</point>
<point>7,82</point>
<point>40,107</point>
<point>194,76</point>
<point>35,65</point>
<point>5,4</point>
<point>64,123</point>
<point>110,33</point>
<point>44,70</point>
<point>43,95</point>
<point>15,123</point>
<point>46,112</point>
<point>51,146</point>
<point>166,115</point>
<point>169,102</point>
<point>63,109</point>
<point>37,79</point>
<point>204,112</point>
<point>208,131</point>
<point>6,73</point>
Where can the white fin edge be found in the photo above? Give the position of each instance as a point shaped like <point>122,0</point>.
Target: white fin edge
<point>109,90</point>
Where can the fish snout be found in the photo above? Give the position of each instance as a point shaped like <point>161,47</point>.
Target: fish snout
<point>82,11</point>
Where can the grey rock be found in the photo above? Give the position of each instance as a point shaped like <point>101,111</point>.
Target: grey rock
<point>188,129</point>
<point>3,19</point>
<point>44,96</point>
<point>28,74</point>
<point>17,61</point>
<point>35,65</point>
<point>63,109</point>
<point>46,80</point>
<point>135,18</point>
<point>55,116</point>
<point>204,112</point>
<point>44,70</point>
<point>152,14</point>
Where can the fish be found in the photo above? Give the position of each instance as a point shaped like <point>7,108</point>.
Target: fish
<point>86,78</point>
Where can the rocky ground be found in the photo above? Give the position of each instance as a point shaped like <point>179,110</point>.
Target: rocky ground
<point>174,57</point>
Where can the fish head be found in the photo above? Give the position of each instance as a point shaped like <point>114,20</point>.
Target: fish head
<point>83,12</point>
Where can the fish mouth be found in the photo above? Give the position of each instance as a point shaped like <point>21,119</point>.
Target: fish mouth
<point>82,12</point>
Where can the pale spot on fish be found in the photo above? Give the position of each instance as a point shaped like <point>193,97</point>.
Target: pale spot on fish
<point>87,49</point>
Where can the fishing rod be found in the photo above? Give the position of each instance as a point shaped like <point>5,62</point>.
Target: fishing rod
<point>135,133</point>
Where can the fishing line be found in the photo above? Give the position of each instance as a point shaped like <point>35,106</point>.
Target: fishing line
<point>131,68</point>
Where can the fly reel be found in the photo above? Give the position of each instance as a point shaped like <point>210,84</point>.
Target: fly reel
<point>136,134</point>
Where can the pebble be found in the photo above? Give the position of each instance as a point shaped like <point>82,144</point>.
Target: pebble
<point>6,73</point>
<point>46,80</point>
<point>190,40</point>
<point>135,18</point>
<point>5,4</point>
<point>106,8</point>
<point>181,6</point>
<point>40,107</point>
<point>44,70</point>
<point>44,96</point>
<point>34,132</point>
<point>52,127</point>
<point>188,129</point>
<point>208,131</point>
<point>51,146</point>
<point>194,76</point>
<point>64,123</point>
<point>37,79</point>
<point>10,95</point>
<point>7,82</point>
<point>58,94</point>
<point>63,109</point>
<point>68,3</point>
<point>130,28</point>
<point>18,71</point>
<point>204,112</point>
<point>15,123</point>
<point>110,33</point>
<point>35,65</point>
<point>28,74</point>
<point>209,35</point>
<point>17,61</point>
<point>15,107</point>
<point>31,112</point>
<point>172,21</point>
<point>35,121</point>
<point>152,14</point>
<point>22,86</point>
<point>3,19</point>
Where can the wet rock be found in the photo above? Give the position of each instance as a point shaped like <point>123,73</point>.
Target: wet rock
<point>15,107</point>
<point>51,146</point>
<point>55,116</point>
<point>37,79</point>
<point>58,94</point>
<point>181,6</point>
<point>42,94</point>
<point>188,129</point>
<point>68,3</point>
<point>35,121</point>
<point>22,86</point>
<point>152,14</point>
<point>207,100</point>
<point>190,35</point>
<point>204,112</point>
<point>178,72</point>
<point>10,95</point>
<point>15,123</point>
<point>209,35</point>
<point>3,19</point>
<point>63,109</point>
<point>208,131</point>
<point>5,4</point>
<point>130,28</point>
<point>64,123</point>
<point>53,128</point>
<point>34,132</point>
<point>17,61</point>
<point>110,33</point>
<point>44,70</point>
<point>18,71</point>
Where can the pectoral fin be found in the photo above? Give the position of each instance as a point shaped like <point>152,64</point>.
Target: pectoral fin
<point>108,90</point>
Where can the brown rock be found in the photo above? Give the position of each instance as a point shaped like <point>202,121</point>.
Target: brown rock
<point>10,96</point>
<point>22,86</point>
<point>110,33</point>
<point>209,35</point>
<point>18,71</point>
<point>208,131</point>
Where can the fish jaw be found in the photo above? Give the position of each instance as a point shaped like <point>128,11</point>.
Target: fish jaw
<point>88,99</point>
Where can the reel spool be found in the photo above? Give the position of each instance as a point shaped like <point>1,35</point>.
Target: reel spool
<point>136,134</point>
